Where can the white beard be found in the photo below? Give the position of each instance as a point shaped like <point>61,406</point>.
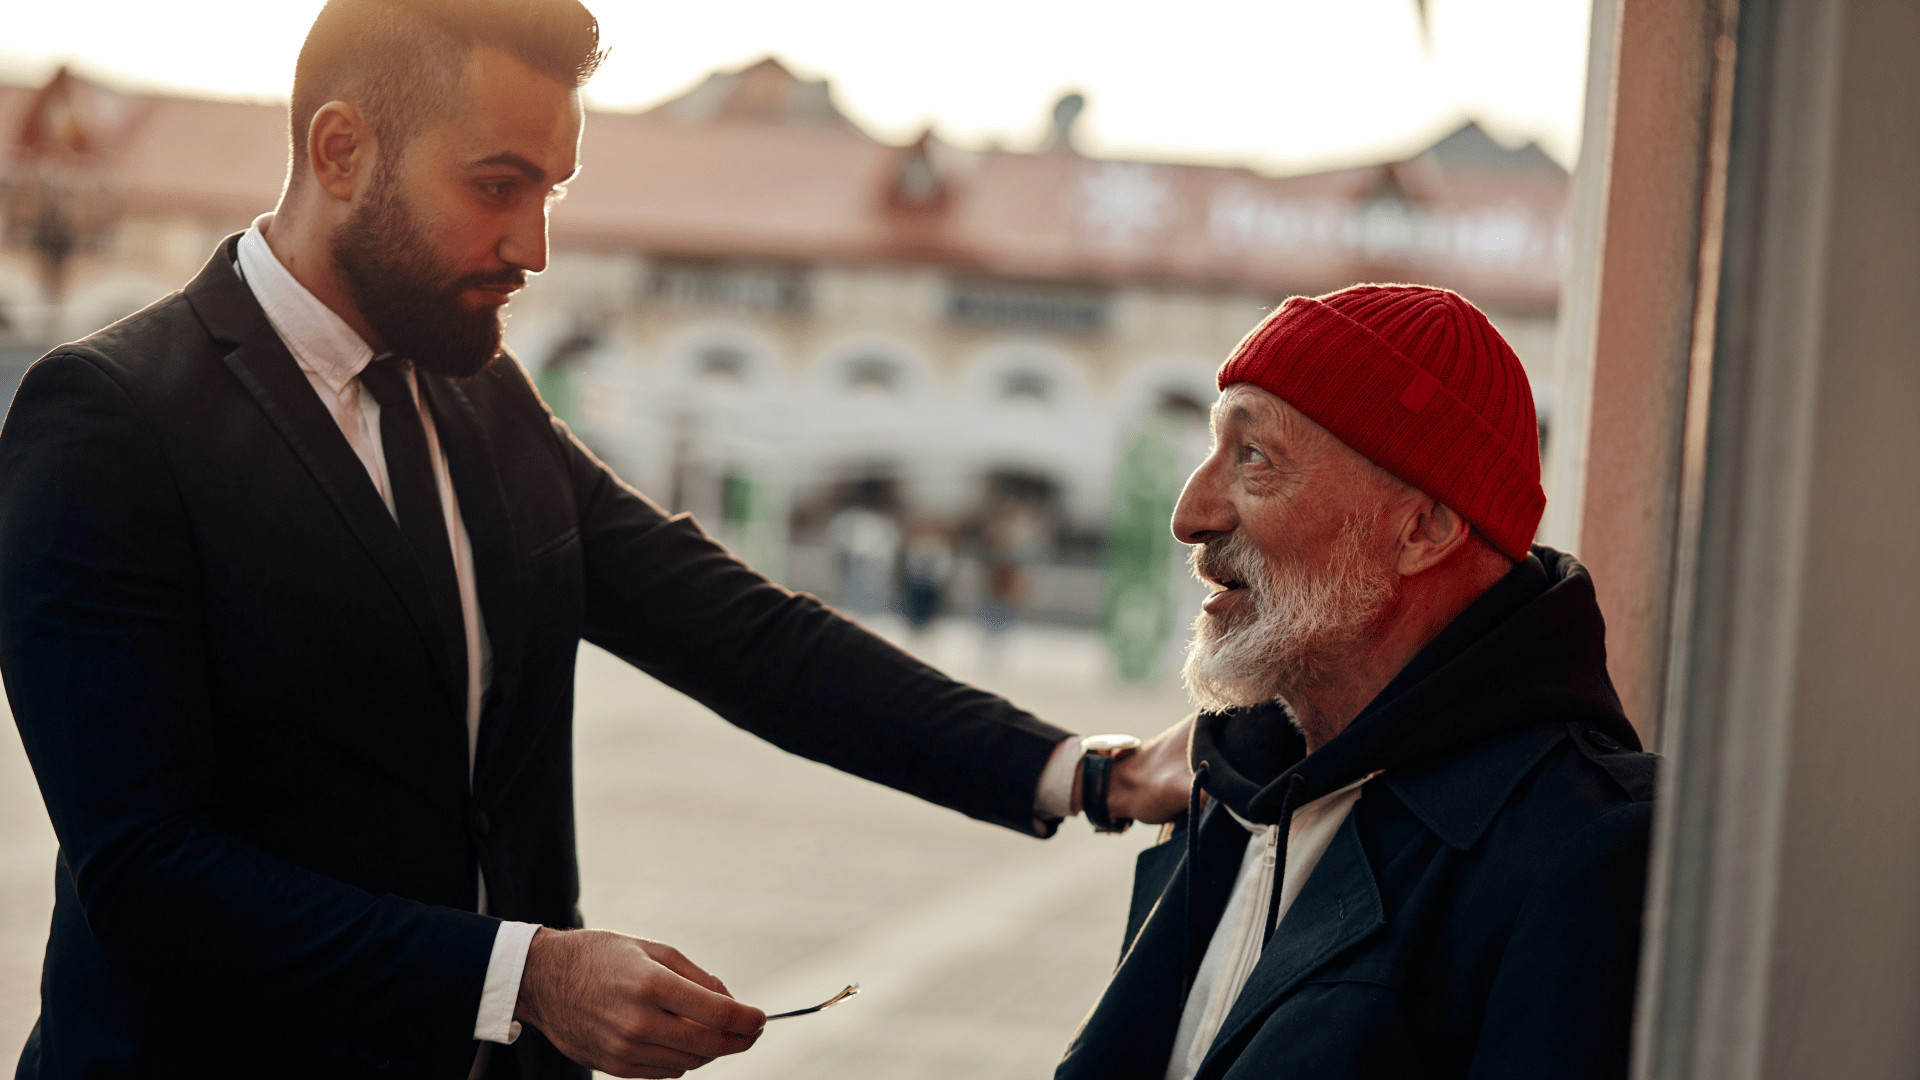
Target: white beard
<point>1301,619</point>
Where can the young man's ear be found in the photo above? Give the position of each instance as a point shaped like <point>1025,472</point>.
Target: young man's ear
<point>1432,533</point>
<point>340,149</point>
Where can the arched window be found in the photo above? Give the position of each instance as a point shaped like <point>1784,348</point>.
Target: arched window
<point>721,363</point>
<point>1017,379</point>
<point>1025,385</point>
<point>874,375</point>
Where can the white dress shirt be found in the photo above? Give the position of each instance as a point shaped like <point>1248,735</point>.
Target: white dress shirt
<point>1237,941</point>
<point>332,356</point>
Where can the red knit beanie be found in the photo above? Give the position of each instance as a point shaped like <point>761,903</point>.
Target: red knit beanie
<point>1418,381</point>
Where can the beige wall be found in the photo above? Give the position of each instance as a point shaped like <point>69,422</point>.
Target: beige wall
<point>1648,258</point>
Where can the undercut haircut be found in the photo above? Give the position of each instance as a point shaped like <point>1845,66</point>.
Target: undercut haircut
<point>400,62</point>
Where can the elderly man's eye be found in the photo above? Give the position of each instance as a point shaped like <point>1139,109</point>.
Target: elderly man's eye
<point>1254,454</point>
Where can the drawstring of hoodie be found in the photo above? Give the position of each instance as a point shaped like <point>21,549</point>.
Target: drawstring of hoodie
<point>1194,794</point>
<point>1289,802</point>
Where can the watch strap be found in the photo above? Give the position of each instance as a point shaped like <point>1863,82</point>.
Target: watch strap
<point>1096,776</point>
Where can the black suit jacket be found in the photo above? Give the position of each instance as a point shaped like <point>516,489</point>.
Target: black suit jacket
<point>246,722</point>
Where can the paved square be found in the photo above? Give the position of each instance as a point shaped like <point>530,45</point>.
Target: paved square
<point>977,950</point>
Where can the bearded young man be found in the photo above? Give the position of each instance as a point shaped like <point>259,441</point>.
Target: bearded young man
<point>1423,850</point>
<point>293,570</point>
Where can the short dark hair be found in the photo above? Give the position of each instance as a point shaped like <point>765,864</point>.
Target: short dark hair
<point>400,61</point>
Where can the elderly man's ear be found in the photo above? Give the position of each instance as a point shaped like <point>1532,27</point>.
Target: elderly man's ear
<point>1430,535</point>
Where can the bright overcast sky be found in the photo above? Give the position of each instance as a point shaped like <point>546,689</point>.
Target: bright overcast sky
<point>1282,85</point>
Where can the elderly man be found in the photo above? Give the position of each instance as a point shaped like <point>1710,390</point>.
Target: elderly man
<point>1423,848</point>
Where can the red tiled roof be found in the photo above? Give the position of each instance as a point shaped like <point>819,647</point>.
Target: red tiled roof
<point>760,168</point>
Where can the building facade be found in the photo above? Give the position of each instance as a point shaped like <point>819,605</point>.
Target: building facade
<point>758,313</point>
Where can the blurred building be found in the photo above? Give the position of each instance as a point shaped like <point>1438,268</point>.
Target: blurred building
<point>759,313</point>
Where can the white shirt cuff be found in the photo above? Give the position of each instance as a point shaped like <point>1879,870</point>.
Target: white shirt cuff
<point>1053,799</point>
<point>502,989</point>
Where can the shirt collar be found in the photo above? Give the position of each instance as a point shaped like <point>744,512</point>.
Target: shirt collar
<point>321,342</point>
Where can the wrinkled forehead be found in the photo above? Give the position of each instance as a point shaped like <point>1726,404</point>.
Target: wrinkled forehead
<point>1248,409</point>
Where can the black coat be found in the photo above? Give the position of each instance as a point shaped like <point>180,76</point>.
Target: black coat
<point>1477,914</point>
<point>239,704</point>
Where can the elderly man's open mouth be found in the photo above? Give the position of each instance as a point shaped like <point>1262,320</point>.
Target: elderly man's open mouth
<point>1226,593</point>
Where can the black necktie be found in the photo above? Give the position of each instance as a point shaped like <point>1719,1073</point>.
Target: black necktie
<point>416,500</point>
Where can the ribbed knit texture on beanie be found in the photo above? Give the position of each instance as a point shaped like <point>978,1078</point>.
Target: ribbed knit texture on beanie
<point>1420,383</point>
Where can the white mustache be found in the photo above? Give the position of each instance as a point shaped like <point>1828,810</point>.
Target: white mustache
<point>1231,559</point>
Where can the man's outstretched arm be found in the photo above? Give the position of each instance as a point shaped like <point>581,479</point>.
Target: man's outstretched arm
<point>670,600</point>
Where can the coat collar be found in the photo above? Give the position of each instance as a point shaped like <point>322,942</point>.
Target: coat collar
<point>1523,682</point>
<point>1458,797</point>
<point>263,365</point>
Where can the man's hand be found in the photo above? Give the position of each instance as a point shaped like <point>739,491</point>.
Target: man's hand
<point>629,1007</point>
<point>1151,784</point>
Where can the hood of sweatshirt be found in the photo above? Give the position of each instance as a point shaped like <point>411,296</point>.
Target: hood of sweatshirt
<point>1530,649</point>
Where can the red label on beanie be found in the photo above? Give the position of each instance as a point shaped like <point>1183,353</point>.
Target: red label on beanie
<point>1420,383</point>
<point>1420,391</point>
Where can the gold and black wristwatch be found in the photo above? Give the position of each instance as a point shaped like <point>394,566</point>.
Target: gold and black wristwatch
<point>1097,755</point>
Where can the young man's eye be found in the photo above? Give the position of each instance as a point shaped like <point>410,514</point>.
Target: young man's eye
<point>499,189</point>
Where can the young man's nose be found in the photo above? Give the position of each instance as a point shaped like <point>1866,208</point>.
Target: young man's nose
<point>526,245</point>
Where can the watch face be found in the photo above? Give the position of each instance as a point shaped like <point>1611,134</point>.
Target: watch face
<point>1107,744</point>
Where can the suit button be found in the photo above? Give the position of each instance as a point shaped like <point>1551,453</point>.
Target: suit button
<point>481,826</point>
<point>1598,738</point>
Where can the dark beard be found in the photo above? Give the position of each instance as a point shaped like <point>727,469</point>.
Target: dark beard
<point>407,297</point>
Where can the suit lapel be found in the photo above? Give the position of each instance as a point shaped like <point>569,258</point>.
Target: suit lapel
<point>1339,905</point>
<point>270,374</point>
<point>496,558</point>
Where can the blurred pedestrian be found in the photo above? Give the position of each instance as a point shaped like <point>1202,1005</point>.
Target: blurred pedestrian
<point>926,568</point>
<point>869,545</point>
<point>1013,538</point>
